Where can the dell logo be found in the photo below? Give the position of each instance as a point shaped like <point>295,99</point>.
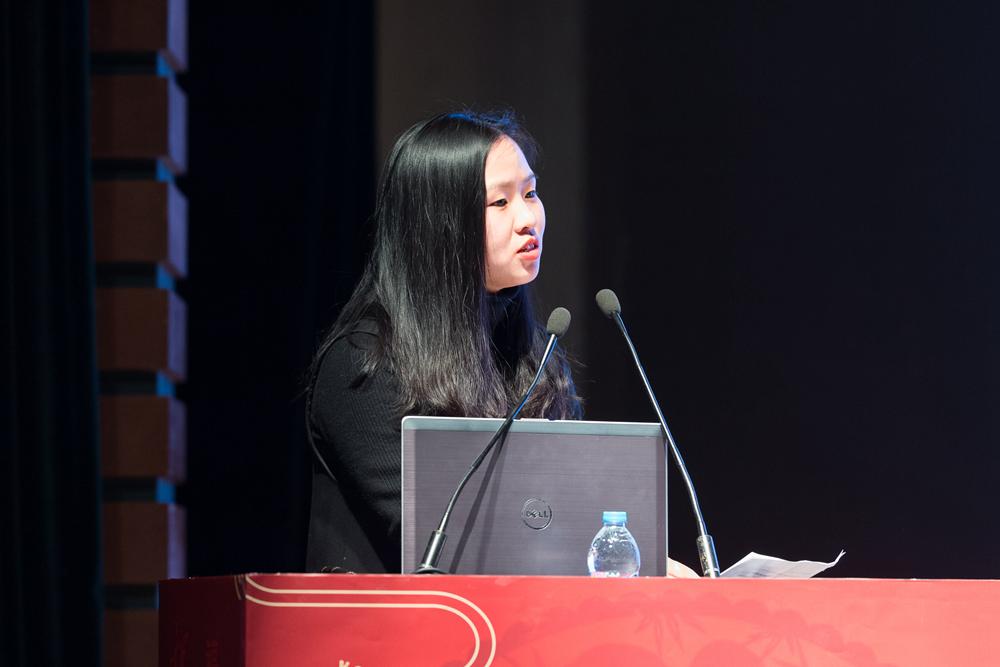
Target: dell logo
<point>536,514</point>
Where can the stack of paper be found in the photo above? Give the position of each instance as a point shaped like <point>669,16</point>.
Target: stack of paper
<point>758,565</point>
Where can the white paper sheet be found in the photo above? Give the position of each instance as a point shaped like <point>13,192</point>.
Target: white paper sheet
<point>759,565</point>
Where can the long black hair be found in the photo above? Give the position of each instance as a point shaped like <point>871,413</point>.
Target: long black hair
<point>453,348</point>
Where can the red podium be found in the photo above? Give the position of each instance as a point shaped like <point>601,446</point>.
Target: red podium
<point>344,620</point>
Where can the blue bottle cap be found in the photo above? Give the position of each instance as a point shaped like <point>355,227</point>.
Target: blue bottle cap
<point>615,517</point>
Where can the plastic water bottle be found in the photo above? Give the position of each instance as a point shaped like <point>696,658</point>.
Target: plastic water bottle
<point>613,553</point>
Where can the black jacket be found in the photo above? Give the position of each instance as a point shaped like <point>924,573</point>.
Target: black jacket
<point>354,428</point>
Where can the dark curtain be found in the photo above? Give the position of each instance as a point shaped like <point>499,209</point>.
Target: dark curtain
<point>280,181</point>
<point>50,564</point>
<point>806,256</point>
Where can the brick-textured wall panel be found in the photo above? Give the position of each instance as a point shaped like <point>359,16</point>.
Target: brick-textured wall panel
<point>177,349</point>
<point>138,117</point>
<point>143,436</point>
<point>177,231</point>
<point>141,221</point>
<point>143,542</point>
<point>130,637</point>
<point>177,130</point>
<point>141,329</point>
<point>152,26</point>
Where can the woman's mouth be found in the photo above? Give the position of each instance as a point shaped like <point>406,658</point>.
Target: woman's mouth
<point>529,247</point>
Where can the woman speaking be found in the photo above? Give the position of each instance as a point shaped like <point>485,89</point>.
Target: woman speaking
<point>441,323</point>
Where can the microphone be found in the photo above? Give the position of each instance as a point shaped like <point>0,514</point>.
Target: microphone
<point>608,302</point>
<point>556,327</point>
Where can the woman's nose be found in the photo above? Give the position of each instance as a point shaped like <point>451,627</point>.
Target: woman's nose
<point>526,217</point>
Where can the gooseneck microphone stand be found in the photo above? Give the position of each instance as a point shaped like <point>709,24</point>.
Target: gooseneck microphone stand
<point>609,304</point>
<point>557,325</point>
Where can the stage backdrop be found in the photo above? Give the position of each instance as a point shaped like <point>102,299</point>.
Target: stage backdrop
<point>795,205</point>
<point>51,605</point>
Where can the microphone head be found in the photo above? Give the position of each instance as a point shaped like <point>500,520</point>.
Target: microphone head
<point>558,322</point>
<point>608,302</point>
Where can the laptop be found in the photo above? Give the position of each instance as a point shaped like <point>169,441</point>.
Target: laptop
<point>535,503</point>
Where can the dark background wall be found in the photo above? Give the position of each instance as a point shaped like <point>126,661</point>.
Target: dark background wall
<point>280,179</point>
<point>795,204</point>
<point>796,207</point>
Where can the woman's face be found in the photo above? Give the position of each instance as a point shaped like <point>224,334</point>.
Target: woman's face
<point>515,218</point>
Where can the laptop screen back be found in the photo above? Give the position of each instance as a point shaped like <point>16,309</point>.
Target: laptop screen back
<point>535,504</point>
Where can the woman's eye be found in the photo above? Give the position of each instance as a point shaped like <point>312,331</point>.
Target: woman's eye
<point>499,203</point>
<point>531,194</point>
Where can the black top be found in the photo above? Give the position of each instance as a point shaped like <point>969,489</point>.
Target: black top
<point>355,428</point>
